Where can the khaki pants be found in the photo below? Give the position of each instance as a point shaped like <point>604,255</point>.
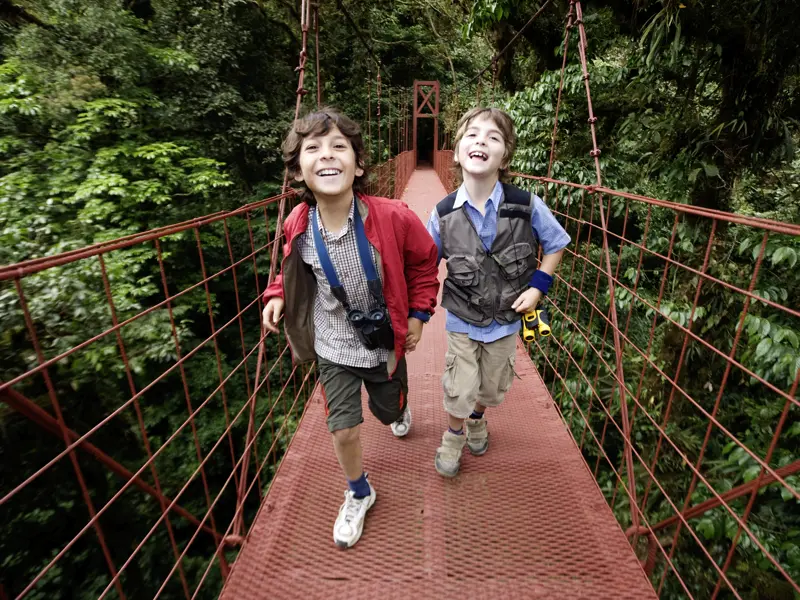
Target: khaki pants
<point>476,372</point>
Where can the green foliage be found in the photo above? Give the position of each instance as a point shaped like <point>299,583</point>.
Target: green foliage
<point>661,103</point>
<point>116,118</point>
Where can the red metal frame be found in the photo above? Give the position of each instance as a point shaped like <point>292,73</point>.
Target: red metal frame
<point>423,109</point>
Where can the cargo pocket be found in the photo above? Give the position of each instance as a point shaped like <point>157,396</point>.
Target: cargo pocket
<point>449,377</point>
<point>514,260</point>
<point>507,378</point>
<point>463,270</point>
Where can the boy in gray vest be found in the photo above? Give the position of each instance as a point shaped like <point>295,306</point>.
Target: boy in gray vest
<point>489,232</point>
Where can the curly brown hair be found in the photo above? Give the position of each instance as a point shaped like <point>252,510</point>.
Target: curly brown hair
<point>320,122</point>
<point>504,124</point>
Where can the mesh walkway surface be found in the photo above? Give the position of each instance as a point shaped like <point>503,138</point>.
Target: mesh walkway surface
<point>526,520</point>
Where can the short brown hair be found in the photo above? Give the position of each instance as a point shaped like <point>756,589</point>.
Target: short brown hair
<point>504,124</point>
<point>320,122</point>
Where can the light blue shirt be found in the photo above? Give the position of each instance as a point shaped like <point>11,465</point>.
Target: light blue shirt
<point>547,230</point>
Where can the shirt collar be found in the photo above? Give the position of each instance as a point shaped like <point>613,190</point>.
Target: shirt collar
<point>462,196</point>
<point>349,216</point>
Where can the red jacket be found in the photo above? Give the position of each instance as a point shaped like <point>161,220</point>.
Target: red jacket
<point>407,257</point>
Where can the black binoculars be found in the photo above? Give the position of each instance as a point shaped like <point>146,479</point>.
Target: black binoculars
<point>373,328</point>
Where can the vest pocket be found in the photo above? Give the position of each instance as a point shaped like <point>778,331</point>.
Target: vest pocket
<point>514,259</point>
<point>449,377</point>
<point>463,270</point>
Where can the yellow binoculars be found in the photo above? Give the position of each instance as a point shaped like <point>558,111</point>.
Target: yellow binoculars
<point>536,321</point>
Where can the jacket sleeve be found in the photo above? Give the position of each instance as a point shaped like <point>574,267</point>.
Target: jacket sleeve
<point>421,258</point>
<point>275,289</point>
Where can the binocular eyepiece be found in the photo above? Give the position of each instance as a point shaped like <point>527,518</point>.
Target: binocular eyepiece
<point>536,321</point>
<point>373,328</point>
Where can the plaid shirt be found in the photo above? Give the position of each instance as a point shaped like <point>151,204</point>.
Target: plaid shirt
<point>335,337</point>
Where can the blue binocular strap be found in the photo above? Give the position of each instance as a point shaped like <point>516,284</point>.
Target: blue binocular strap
<point>364,254</point>
<point>373,283</point>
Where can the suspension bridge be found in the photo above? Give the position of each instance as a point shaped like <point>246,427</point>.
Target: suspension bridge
<point>550,524</point>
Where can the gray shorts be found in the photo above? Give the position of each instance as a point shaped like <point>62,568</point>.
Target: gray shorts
<point>341,387</point>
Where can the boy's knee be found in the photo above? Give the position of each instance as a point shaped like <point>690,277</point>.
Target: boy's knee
<point>493,401</point>
<point>460,408</point>
<point>346,436</point>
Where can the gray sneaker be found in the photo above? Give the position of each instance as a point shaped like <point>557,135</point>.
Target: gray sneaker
<point>402,426</point>
<point>477,436</point>
<point>448,455</point>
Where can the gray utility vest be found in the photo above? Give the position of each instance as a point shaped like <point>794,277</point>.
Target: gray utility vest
<point>481,283</point>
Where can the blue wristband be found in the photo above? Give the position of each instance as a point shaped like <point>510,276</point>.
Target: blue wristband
<point>541,281</point>
<point>419,314</point>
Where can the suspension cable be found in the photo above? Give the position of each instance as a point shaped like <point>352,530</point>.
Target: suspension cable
<point>378,112</point>
<point>494,80</point>
<point>361,37</point>
<point>305,16</point>
<point>507,46</point>
<point>369,113</point>
<point>554,136</point>
<point>316,54</point>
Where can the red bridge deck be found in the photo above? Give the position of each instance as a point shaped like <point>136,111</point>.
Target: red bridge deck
<point>526,520</point>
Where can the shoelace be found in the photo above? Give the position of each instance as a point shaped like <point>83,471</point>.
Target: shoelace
<point>352,507</point>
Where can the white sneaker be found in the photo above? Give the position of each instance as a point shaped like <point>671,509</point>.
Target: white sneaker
<point>402,426</point>
<point>350,522</point>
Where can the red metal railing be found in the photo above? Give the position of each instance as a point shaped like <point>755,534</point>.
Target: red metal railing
<point>405,163</point>
<point>242,398</point>
<point>381,181</point>
<point>703,472</point>
<point>390,178</point>
<point>708,295</point>
<point>443,165</point>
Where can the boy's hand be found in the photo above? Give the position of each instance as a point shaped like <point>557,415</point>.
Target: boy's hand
<point>414,334</point>
<point>272,314</point>
<point>527,300</point>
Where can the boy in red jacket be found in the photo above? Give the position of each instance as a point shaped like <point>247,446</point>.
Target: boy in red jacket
<point>358,280</point>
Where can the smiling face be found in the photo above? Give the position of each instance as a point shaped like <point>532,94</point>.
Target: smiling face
<point>330,147</point>
<point>327,164</point>
<point>481,152</point>
<point>485,143</point>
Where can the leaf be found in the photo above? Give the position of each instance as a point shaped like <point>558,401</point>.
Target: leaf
<point>791,337</point>
<point>763,347</point>
<point>746,243</point>
<point>706,528</point>
<point>751,473</point>
<point>765,327</point>
<point>792,257</point>
<point>711,170</point>
<point>784,253</point>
